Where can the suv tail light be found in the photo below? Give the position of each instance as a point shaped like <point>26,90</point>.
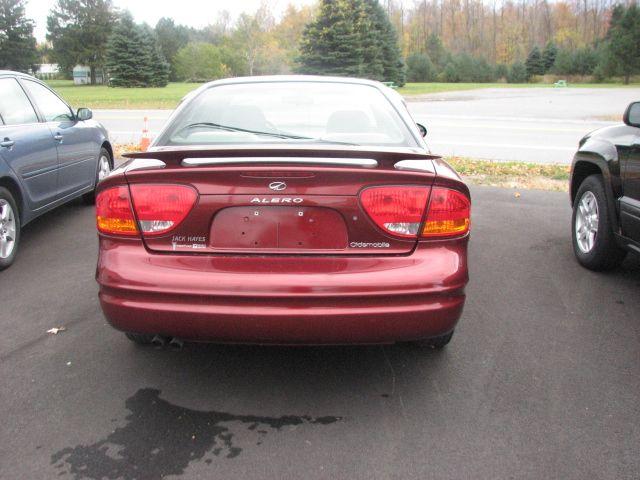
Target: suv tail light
<point>396,210</point>
<point>449,214</point>
<point>159,208</point>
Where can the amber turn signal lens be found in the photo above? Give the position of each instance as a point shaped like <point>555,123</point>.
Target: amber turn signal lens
<point>114,215</point>
<point>449,214</point>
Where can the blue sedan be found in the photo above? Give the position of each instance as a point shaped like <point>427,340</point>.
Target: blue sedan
<point>49,155</point>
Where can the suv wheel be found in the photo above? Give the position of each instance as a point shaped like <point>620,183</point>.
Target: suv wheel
<point>9,228</point>
<point>594,242</point>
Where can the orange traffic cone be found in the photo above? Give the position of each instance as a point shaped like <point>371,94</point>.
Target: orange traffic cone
<point>145,141</point>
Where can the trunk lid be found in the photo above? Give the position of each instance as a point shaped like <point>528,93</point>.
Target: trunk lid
<point>274,200</point>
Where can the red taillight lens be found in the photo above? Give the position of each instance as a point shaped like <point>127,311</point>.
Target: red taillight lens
<point>449,214</point>
<point>397,210</point>
<point>161,208</point>
<point>113,212</point>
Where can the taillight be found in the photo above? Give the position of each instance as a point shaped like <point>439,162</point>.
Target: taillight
<point>160,208</point>
<point>397,210</point>
<point>113,212</point>
<point>449,214</point>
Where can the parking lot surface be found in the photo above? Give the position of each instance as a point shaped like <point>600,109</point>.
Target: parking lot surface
<point>541,379</point>
<point>540,125</point>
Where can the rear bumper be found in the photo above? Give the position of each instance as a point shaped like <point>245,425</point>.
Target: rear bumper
<point>283,300</point>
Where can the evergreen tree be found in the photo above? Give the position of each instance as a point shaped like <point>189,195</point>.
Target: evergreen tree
<point>394,70</point>
<point>372,63</point>
<point>549,55</point>
<point>518,73</point>
<point>158,66</point>
<point>451,74</point>
<point>128,55</point>
<point>17,43</point>
<point>436,51</point>
<point>79,31</point>
<point>624,40</point>
<point>420,68</point>
<point>329,44</point>
<point>534,63</point>
<point>351,38</point>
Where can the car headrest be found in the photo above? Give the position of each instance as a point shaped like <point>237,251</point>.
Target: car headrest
<point>348,121</point>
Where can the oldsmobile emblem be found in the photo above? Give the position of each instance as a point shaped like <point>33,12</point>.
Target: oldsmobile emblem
<point>277,186</point>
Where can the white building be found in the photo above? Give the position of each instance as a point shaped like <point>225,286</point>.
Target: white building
<point>82,75</point>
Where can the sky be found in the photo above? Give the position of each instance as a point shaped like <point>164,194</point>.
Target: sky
<point>194,13</point>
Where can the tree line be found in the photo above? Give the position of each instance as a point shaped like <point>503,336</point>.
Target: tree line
<point>431,40</point>
<point>598,47</point>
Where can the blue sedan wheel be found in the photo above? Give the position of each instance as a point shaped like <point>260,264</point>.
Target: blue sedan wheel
<point>9,228</point>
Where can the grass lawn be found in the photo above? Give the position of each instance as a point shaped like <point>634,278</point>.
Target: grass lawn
<point>99,96</point>
<point>148,98</point>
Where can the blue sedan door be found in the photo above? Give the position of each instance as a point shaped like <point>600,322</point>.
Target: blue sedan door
<point>27,145</point>
<point>77,148</point>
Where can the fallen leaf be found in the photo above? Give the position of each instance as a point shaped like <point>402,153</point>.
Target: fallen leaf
<point>56,330</point>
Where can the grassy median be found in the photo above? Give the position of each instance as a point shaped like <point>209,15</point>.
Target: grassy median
<point>518,175</point>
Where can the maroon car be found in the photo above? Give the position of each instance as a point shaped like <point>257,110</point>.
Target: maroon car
<point>285,210</point>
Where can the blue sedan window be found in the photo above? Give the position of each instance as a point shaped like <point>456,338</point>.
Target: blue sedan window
<point>15,107</point>
<point>53,109</point>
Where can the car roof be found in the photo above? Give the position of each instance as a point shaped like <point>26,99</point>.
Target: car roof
<point>292,78</point>
<point>14,74</point>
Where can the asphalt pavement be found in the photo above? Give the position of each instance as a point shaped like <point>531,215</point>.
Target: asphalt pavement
<point>541,379</point>
<point>541,125</point>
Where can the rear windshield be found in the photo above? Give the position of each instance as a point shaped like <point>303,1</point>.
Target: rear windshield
<point>289,112</point>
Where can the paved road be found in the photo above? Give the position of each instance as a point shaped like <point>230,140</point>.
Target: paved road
<point>540,125</point>
<point>540,381</point>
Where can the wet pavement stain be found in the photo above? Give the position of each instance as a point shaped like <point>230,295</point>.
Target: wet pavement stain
<point>162,439</point>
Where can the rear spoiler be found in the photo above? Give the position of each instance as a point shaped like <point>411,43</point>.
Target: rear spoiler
<point>331,155</point>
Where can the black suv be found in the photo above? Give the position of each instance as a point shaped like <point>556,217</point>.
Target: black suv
<point>605,193</point>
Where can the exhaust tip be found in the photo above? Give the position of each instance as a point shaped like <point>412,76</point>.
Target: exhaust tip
<point>176,344</point>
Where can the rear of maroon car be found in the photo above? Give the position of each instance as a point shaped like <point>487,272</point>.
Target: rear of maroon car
<point>283,244</point>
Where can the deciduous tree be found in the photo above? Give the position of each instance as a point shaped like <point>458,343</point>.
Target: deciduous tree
<point>79,31</point>
<point>17,43</point>
<point>199,62</point>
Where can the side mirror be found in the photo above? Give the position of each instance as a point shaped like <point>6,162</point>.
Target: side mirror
<point>632,115</point>
<point>84,114</point>
<point>423,129</point>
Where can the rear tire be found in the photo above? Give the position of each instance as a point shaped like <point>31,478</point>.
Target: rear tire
<point>140,338</point>
<point>435,343</point>
<point>9,228</point>
<point>105,165</point>
<point>594,243</point>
